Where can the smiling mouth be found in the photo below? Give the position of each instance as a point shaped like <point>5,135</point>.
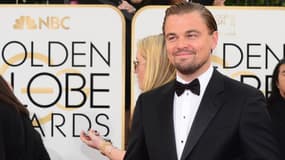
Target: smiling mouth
<point>184,53</point>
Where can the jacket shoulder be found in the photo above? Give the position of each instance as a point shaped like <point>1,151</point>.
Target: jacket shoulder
<point>235,86</point>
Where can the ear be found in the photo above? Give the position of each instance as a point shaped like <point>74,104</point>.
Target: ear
<point>215,38</point>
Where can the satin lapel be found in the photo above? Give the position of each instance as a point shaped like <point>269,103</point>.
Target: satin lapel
<point>165,112</point>
<point>210,104</point>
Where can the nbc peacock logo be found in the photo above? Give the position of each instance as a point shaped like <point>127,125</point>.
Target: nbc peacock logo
<point>25,22</point>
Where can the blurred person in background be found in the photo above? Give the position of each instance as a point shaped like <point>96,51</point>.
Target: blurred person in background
<point>18,139</point>
<point>140,3</point>
<point>276,104</point>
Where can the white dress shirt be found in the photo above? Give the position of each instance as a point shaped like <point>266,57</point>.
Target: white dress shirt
<point>185,109</point>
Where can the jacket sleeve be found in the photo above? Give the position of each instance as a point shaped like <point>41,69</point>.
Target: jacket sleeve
<point>256,133</point>
<point>137,149</point>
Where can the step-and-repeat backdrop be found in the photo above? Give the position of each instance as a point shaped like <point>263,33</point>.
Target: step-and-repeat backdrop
<point>67,65</point>
<point>251,41</point>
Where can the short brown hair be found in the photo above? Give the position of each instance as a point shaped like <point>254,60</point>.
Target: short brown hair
<point>187,7</point>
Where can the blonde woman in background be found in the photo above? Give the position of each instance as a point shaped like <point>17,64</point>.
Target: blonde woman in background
<point>153,69</point>
<point>152,65</point>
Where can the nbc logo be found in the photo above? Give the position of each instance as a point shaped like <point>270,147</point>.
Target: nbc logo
<point>49,22</point>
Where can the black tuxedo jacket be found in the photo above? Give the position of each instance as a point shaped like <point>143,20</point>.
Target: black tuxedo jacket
<point>18,139</point>
<point>232,123</point>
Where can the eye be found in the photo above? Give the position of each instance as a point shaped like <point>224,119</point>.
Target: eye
<point>170,38</point>
<point>192,35</point>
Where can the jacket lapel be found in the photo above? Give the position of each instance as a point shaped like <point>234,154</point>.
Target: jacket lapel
<point>210,104</point>
<point>165,111</point>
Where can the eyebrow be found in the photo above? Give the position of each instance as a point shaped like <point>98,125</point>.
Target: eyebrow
<point>193,30</point>
<point>170,34</point>
<point>187,32</point>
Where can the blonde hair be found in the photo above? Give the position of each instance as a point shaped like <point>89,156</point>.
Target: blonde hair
<point>158,69</point>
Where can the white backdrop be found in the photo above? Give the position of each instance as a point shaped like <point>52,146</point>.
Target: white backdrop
<point>67,64</point>
<point>251,40</point>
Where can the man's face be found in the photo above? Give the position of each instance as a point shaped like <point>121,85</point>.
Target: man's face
<point>189,43</point>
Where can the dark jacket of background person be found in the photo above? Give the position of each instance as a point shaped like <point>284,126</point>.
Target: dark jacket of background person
<point>18,139</point>
<point>276,108</point>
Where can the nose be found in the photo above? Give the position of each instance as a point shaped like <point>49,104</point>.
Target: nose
<point>181,43</point>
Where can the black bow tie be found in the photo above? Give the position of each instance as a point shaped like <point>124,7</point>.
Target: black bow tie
<point>194,86</point>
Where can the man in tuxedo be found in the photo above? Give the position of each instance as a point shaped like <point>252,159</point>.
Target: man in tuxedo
<point>212,118</point>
